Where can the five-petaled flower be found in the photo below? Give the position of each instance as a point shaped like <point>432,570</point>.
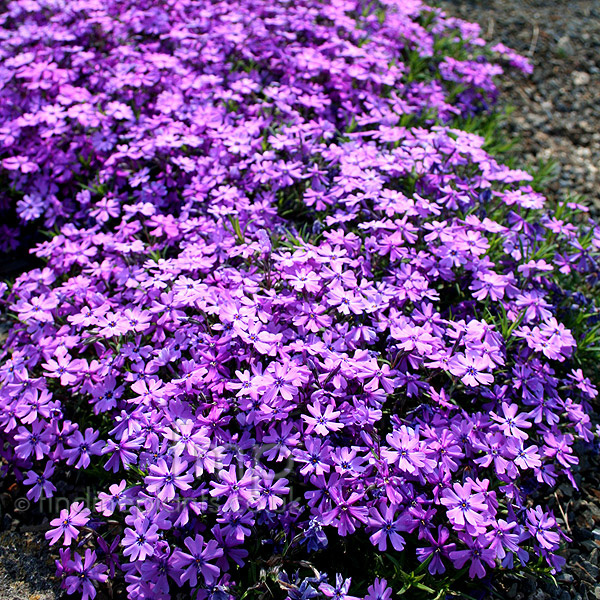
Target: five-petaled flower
<point>67,522</point>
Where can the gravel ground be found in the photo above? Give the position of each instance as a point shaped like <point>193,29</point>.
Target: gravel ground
<point>557,109</point>
<point>26,569</point>
<point>556,116</point>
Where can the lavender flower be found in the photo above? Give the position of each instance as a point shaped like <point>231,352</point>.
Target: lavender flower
<point>67,523</point>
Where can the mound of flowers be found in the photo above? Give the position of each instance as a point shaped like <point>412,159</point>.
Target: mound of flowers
<point>296,325</point>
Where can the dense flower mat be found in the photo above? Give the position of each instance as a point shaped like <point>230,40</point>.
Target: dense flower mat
<point>296,324</point>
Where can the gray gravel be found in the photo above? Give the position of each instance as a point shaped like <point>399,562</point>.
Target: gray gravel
<point>26,567</point>
<point>557,109</point>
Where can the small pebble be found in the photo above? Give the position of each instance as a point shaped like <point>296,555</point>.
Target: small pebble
<point>591,569</point>
<point>589,544</point>
<point>564,45</point>
<point>581,78</point>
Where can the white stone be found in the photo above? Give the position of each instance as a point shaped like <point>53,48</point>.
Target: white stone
<point>581,78</point>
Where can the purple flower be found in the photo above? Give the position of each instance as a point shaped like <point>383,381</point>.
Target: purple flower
<point>345,514</point>
<point>85,572</point>
<point>386,527</point>
<point>558,446</point>
<point>117,498</point>
<point>465,508</point>
<point>271,492</point>
<point>339,591</point>
<point>238,492</point>
<point>322,421</point>
<point>123,452</point>
<point>37,441</point>
<point>315,457</point>
<point>196,562</point>
<point>139,541</point>
<point>438,548</point>
<point>64,367</point>
<point>164,480</point>
<point>511,422</point>
<point>82,447</point>
<point>67,522</point>
<point>541,525</point>
<point>408,453</point>
<point>471,369</point>
<point>40,483</point>
<point>314,536</point>
<point>478,554</point>
<point>38,308</point>
<point>504,536</point>
<point>379,590</point>
<point>524,458</point>
<point>283,381</point>
<point>283,441</point>
<point>109,554</point>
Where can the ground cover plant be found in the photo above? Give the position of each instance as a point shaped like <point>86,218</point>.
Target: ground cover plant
<point>298,329</point>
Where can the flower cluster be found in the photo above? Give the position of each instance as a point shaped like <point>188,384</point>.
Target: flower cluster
<point>289,300</point>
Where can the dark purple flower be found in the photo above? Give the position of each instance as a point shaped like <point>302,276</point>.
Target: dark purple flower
<point>438,548</point>
<point>40,483</point>
<point>85,572</point>
<point>477,554</point>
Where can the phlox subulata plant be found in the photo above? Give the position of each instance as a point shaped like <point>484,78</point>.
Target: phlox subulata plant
<point>302,333</point>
